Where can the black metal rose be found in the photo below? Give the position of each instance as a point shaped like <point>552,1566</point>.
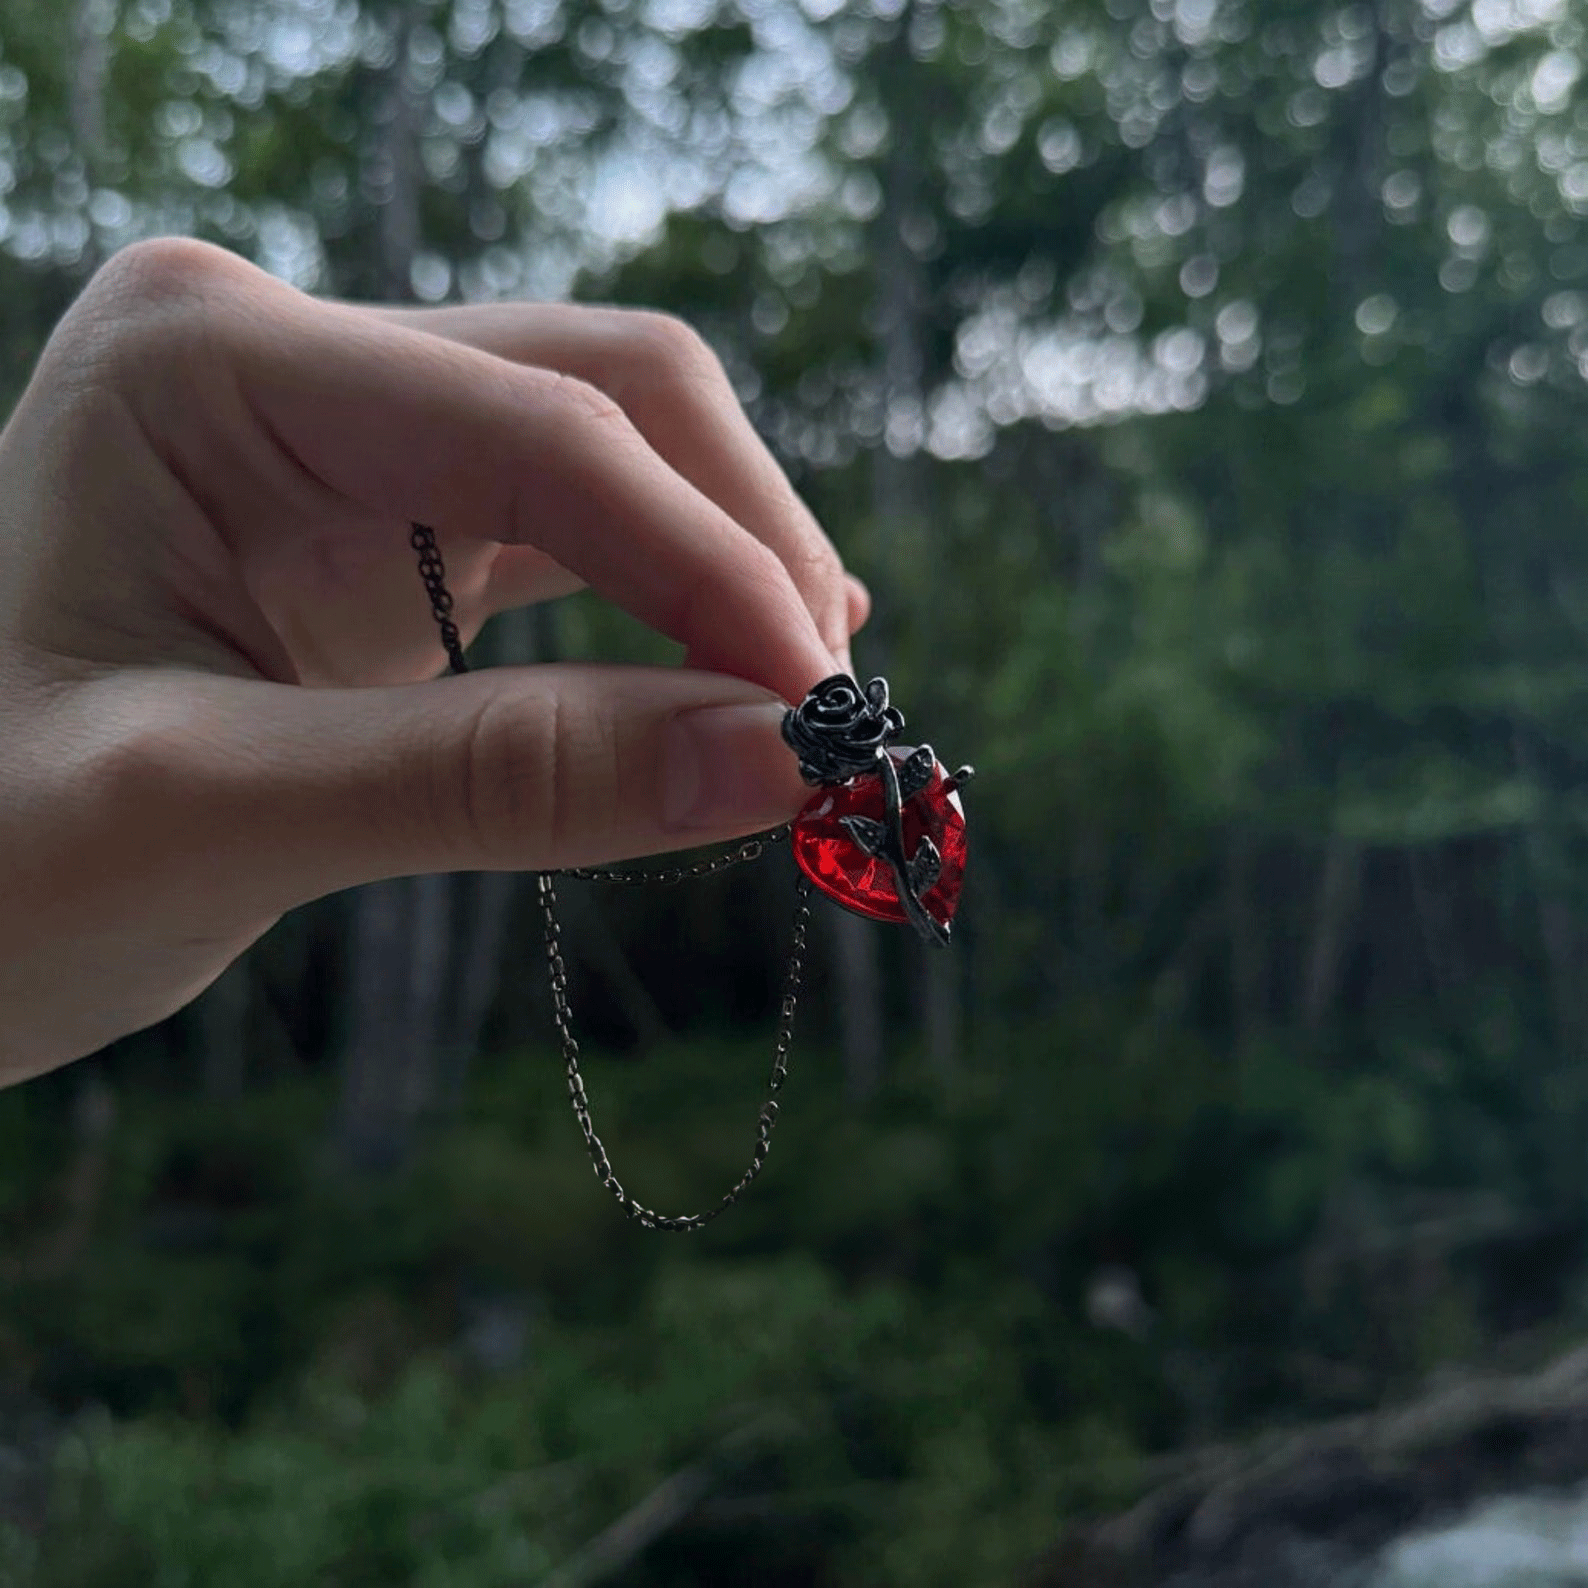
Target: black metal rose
<point>838,728</point>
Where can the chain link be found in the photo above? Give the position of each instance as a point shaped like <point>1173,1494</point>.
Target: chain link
<point>671,876</point>
<point>433,572</point>
<point>767,1118</point>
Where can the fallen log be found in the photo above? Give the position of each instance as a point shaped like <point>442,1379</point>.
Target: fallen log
<point>1310,1507</point>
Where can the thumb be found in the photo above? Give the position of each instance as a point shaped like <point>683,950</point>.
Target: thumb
<point>283,793</point>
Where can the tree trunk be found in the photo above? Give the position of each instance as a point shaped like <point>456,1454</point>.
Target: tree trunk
<point>397,172</point>
<point>1247,959</point>
<point>857,968</point>
<point>402,928</point>
<point>223,1020</point>
<point>81,1190</point>
<point>92,25</point>
<point>1435,928</point>
<point>900,514</point>
<point>387,1054</point>
<point>1557,927</point>
<point>941,998</point>
<point>486,903</point>
<point>1338,891</point>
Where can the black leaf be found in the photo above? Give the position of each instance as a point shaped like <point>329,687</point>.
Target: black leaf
<point>916,773</point>
<point>926,864</point>
<point>870,835</point>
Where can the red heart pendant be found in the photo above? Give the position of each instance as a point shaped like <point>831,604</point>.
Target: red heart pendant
<point>831,855</point>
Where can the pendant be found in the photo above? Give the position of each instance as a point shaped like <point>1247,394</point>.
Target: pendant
<point>884,835</point>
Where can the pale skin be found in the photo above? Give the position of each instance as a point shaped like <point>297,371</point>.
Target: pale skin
<point>218,670</point>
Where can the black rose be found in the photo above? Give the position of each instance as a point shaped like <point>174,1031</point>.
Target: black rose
<point>838,728</point>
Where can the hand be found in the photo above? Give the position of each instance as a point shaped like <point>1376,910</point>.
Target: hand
<point>205,499</point>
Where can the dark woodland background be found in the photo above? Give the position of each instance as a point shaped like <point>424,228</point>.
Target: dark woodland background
<point>1200,386</point>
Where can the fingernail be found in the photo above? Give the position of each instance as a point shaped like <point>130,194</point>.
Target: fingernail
<point>727,766</point>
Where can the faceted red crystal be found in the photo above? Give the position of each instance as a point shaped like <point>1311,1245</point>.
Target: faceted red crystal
<point>828,854</point>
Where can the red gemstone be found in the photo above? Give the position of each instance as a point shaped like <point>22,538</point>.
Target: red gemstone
<point>828,854</point>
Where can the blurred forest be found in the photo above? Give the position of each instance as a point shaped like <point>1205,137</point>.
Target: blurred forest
<point>1200,387</point>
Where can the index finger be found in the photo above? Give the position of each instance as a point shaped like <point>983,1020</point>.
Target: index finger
<point>417,426</point>
<point>677,394</point>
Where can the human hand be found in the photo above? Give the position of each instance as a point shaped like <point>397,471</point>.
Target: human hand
<point>205,499</point>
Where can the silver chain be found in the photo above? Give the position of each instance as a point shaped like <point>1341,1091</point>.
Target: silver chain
<point>433,572</point>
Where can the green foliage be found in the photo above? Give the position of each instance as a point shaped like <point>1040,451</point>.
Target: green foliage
<point>888,1348</point>
<point>887,1410</point>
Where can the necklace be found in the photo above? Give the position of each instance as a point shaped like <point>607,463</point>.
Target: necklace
<point>884,836</point>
